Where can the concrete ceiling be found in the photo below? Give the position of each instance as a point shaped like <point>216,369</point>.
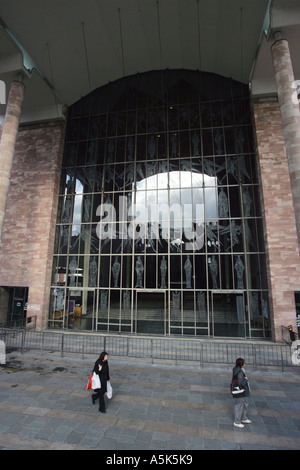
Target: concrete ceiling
<point>76,46</point>
<point>284,16</point>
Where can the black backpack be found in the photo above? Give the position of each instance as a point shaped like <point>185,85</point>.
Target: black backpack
<point>236,389</point>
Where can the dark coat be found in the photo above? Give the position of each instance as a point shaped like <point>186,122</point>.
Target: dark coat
<point>103,374</point>
<point>243,381</point>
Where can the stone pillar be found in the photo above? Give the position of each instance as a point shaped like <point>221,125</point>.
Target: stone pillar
<point>8,141</point>
<point>290,115</point>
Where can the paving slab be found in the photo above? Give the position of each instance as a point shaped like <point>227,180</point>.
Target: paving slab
<point>156,406</point>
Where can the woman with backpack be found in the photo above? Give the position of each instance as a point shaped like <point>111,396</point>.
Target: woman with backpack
<point>241,399</point>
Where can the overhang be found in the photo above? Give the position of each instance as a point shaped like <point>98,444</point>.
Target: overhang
<point>68,48</point>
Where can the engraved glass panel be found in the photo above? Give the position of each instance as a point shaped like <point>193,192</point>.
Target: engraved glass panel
<point>160,192</point>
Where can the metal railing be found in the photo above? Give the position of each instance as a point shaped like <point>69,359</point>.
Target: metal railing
<point>29,323</point>
<point>201,351</point>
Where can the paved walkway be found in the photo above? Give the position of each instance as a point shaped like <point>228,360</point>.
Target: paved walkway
<point>44,405</point>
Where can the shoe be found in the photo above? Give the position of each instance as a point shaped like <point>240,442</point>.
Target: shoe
<point>102,411</point>
<point>246,421</point>
<point>238,425</point>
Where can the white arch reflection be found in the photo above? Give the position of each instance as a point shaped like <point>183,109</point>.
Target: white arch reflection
<point>178,189</point>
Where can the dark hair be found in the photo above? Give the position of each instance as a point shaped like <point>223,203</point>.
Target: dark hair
<point>102,355</point>
<point>240,362</point>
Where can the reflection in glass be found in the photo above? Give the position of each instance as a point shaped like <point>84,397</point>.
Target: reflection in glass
<point>176,210</point>
<point>67,209</point>
<point>178,171</point>
<point>223,204</point>
<point>214,269</point>
<point>239,268</point>
<point>77,209</point>
<point>188,272</point>
<point>73,271</point>
<point>93,272</point>
<point>175,310</point>
<point>64,238</point>
<point>116,271</point>
<point>139,269</point>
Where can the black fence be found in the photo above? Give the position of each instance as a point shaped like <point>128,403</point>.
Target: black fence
<point>171,349</point>
<point>27,323</point>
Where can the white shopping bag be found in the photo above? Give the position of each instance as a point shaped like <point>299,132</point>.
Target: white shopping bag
<point>109,390</point>
<point>96,381</point>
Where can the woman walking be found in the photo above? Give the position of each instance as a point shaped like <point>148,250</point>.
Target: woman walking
<point>101,368</point>
<point>241,404</point>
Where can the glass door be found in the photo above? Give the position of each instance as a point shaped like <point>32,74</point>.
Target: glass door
<point>80,312</point>
<point>228,314</point>
<point>150,312</point>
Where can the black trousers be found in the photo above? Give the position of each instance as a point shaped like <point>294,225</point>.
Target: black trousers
<point>100,394</point>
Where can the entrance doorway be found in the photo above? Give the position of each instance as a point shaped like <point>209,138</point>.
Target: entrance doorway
<point>13,305</point>
<point>228,314</point>
<point>150,312</point>
<point>81,309</point>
